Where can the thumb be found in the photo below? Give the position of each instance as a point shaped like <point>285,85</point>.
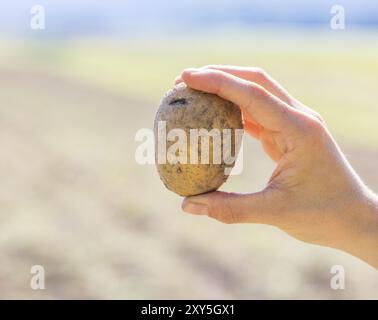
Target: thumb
<point>232,207</point>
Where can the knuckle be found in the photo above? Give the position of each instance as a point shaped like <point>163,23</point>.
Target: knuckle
<point>256,90</point>
<point>315,124</point>
<point>230,216</point>
<point>313,129</point>
<point>259,73</point>
<point>220,78</point>
<point>217,215</point>
<point>216,73</point>
<point>223,211</point>
<point>255,93</point>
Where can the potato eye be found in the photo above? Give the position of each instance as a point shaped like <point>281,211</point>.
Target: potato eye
<point>181,101</point>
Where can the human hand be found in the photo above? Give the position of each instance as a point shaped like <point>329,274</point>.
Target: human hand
<point>314,194</point>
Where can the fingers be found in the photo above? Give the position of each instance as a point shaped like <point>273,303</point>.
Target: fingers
<point>262,106</point>
<point>250,126</point>
<point>262,78</point>
<point>231,207</point>
<point>252,74</point>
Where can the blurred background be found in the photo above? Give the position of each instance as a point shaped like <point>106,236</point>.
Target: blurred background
<point>73,95</point>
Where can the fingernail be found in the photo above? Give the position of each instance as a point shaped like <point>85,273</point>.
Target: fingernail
<point>190,71</point>
<point>195,208</point>
<point>178,79</point>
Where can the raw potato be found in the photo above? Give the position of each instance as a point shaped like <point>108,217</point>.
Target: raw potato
<point>187,109</point>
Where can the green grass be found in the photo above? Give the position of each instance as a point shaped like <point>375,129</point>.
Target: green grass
<point>337,76</point>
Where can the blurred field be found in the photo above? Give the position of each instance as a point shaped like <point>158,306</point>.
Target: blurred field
<point>74,200</point>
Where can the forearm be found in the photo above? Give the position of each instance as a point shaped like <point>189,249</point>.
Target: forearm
<point>362,234</point>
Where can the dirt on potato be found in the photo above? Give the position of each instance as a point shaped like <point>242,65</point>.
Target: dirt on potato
<point>190,111</point>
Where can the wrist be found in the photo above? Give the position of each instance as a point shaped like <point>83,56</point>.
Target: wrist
<point>361,229</point>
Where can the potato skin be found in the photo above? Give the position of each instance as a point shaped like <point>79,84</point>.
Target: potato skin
<point>185,108</point>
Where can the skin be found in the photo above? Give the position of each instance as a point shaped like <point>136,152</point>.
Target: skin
<point>314,194</point>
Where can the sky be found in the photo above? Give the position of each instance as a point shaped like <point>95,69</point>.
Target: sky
<point>65,18</point>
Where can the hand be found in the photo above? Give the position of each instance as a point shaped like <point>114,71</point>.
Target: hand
<point>314,194</point>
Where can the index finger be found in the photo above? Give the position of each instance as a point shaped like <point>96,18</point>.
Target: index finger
<point>262,106</point>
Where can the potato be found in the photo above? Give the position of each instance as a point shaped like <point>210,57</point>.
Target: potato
<point>187,109</point>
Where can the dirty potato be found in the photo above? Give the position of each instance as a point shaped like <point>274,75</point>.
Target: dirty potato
<point>195,162</point>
